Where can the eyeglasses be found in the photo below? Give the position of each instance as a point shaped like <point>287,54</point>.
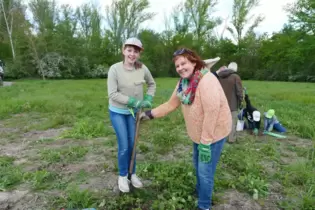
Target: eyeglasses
<point>181,51</point>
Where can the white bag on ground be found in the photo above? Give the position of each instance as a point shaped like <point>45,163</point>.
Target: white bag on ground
<point>240,125</point>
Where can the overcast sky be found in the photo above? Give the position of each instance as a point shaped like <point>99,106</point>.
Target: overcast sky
<point>273,11</point>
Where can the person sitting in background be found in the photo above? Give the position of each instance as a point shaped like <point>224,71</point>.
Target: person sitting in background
<point>251,114</point>
<point>271,122</point>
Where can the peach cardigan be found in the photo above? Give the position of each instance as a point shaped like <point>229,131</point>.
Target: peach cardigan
<point>208,119</point>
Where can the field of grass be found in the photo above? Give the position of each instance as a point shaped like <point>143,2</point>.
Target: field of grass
<point>58,150</point>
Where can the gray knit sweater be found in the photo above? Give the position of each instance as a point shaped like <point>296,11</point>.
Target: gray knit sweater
<point>123,83</point>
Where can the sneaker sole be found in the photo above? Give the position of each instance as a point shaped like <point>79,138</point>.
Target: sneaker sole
<point>138,187</point>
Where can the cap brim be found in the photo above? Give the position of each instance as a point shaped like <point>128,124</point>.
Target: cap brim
<point>141,48</point>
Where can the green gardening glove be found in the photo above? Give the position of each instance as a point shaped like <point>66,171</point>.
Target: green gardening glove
<point>133,103</point>
<point>147,102</point>
<point>204,153</point>
<point>255,131</point>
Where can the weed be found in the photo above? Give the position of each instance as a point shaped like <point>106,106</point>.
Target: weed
<point>10,175</point>
<point>69,154</point>
<point>40,179</point>
<point>144,148</point>
<point>254,185</point>
<point>86,129</point>
<point>75,198</point>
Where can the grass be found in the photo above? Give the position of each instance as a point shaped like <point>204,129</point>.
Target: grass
<point>78,167</point>
<point>64,154</point>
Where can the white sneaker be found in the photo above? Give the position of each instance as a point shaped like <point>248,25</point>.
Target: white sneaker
<point>123,184</point>
<point>135,181</point>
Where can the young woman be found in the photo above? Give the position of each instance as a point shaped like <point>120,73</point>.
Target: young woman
<point>125,92</point>
<point>207,117</point>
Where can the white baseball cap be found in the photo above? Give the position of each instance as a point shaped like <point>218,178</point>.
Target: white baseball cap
<point>233,66</point>
<point>135,42</point>
<point>256,115</point>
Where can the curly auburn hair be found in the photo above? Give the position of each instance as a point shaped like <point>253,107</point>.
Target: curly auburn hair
<point>191,55</point>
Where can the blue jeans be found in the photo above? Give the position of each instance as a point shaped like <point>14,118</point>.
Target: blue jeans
<point>278,127</point>
<point>125,129</point>
<point>205,173</point>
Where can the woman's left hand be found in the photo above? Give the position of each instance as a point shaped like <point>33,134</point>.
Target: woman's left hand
<point>204,152</point>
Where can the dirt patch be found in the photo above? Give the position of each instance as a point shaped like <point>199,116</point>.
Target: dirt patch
<point>35,201</point>
<point>177,152</point>
<point>21,147</point>
<point>289,156</point>
<point>5,131</point>
<point>13,150</point>
<point>234,200</point>
<point>59,143</point>
<point>299,142</point>
<point>270,167</point>
<point>9,199</point>
<point>270,203</point>
<point>74,168</point>
<point>98,184</point>
<point>91,164</point>
<point>47,134</point>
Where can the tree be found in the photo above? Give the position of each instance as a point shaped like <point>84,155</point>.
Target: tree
<point>199,12</point>
<point>302,15</point>
<point>241,17</point>
<point>8,11</point>
<point>45,14</point>
<point>124,18</point>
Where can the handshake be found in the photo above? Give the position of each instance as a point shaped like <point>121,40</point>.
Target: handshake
<point>134,103</point>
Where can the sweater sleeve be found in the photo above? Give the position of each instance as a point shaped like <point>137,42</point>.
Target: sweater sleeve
<point>150,82</point>
<point>210,100</point>
<point>112,84</point>
<point>167,107</point>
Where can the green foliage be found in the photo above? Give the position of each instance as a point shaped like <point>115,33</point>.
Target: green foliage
<point>10,175</point>
<point>76,198</point>
<point>40,179</point>
<point>71,43</point>
<point>69,154</point>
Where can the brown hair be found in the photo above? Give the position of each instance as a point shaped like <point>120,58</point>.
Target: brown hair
<point>138,64</point>
<point>192,56</point>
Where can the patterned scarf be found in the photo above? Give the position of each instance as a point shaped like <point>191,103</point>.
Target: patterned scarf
<point>187,87</point>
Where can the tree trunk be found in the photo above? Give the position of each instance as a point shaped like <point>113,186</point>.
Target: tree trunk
<point>8,29</point>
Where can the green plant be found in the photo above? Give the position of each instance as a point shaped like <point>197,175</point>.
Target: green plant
<point>10,175</point>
